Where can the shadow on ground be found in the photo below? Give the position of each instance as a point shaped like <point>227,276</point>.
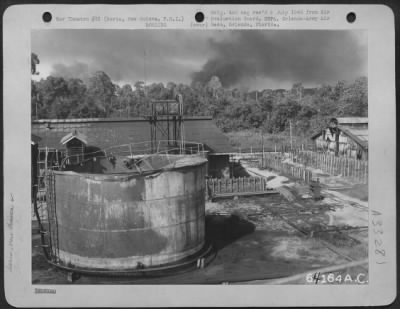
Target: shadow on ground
<point>222,230</point>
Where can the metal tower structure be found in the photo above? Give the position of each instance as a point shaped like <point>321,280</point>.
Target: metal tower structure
<point>167,125</point>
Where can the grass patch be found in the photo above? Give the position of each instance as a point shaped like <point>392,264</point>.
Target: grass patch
<point>248,139</point>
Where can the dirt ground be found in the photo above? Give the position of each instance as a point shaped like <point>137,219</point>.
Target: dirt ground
<point>268,240</point>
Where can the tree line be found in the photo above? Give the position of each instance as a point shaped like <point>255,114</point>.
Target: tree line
<point>268,110</point>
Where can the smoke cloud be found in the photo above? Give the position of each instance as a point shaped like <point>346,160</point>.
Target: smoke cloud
<point>296,55</point>
<point>75,70</point>
<point>256,59</point>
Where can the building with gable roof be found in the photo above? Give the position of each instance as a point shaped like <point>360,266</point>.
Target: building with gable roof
<point>345,136</point>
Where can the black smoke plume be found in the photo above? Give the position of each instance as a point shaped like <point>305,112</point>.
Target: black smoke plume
<point>314,56</point>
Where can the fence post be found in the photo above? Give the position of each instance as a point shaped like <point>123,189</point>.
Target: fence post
<point>366,171</point>
<point>344,166</point>
<point>352,168</point>
<point>363,172</point>
<point>336,165</point>
<point>355,169</point>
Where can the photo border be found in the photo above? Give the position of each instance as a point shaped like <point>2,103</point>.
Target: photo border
<point>19,291</point>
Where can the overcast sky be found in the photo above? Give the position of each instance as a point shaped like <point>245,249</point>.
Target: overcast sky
<point>257,59</point>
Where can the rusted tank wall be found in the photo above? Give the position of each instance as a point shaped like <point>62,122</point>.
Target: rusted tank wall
<point>107,221</point>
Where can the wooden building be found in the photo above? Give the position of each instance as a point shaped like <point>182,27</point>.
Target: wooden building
<point>75,144</point>
<point>346,137</point>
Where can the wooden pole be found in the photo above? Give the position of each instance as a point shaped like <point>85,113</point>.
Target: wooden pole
<point>291,140</point>
<point>262,158</point>
<point>348,168</point>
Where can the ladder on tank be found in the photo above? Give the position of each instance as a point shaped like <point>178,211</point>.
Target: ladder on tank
<point>48,160</point>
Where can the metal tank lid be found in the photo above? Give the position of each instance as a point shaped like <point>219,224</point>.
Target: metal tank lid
<point>102,167</point>
<point>186,160</point>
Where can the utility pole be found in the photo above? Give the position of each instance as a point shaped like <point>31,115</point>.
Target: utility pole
<point>36,103</point>
<point>144,72</point>
<point>291,137</point>
<point>262,143</point>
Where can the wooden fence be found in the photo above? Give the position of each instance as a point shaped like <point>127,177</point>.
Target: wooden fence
<point>245,185</point>
<point>329,163</point>
<point>351,168</point>
<point>275,163</point>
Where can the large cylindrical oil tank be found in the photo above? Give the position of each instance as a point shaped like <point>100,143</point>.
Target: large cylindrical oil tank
<point>120,221</point>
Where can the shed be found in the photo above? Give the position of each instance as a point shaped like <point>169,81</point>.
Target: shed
<point>345,136</point>
<point>75,143</point>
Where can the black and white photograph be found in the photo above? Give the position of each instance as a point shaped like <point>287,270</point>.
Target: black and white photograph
<point>199,157</point>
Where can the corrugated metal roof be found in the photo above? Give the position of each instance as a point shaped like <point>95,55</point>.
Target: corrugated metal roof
<point>104,133</point>
<point>352,120</point>
<point>74,134</point>
<point>359,135</point>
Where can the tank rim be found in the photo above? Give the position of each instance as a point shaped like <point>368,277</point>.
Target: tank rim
<point>187,261</point>
<point>130,174</point>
